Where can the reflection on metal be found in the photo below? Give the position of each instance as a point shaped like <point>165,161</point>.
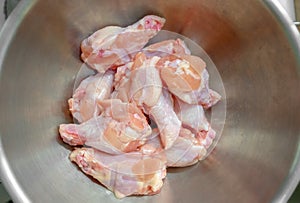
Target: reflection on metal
<point>9,179</point>
<point>258,65</point>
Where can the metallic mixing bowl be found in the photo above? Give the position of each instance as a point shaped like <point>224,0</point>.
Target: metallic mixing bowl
<point>255,48</point>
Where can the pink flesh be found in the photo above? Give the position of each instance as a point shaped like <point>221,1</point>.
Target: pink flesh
<point>145,82</point>
<point>127,156</point>
<point>203,95</point>
<point>166,119</point>
<point>122,82</point>
<point>83,104</point>
<point>92,133</point>
<point>167,47</point>
<point>186,150</point>
<point>120,44</point>
<point>119,172</point>
<point>192,116</point>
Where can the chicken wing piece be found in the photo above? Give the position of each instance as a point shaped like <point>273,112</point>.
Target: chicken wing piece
<point>206,138</point>
<point>97,132</point>
<point>187,78</point>
<point>113,46</point>
<point>193,117</point>
<point>167,47</point>
<point>203,95</point>
<point>125,112</point>
<point>166,119</point>
<point>145,82</point>
<point>120,128</point>
<point>138,81</point>
<point>122,82</point>
<point>122,75</point>
<point>125,174</point>
<point>83,104</point>
<point>153,144</point>
<point>186,150</point>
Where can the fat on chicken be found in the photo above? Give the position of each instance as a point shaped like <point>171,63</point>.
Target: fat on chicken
<point>145,83</point>
<point>166,119</point>
<point>193,117</point>
<point>114,46</point>
<point>122,127</point>
<point>186,77</point>
<point>186,150</point>
<point>83,104</point>
<point>166,48</point>
<point>125,174</point>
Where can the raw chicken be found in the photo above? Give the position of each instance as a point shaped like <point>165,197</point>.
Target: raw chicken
<point>179,74</point>
<point>153,144</point>
<point>186,150</point>
<point>124,112</point>
<point>193,117</point>
<point>122,127</point>
<point>166,48</point>
<point>83,104</point>
<point>138,81</point>
<point>122,75</point>
<point>125,174</point>
<point>162,84</point>
<point>166,119</point>
<point>122,82</point>
<point>146,85</point>
<point>114,46</point>
<point>187,78</point>
<point>204,95</point>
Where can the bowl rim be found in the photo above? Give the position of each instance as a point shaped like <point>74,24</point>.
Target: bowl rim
<point>13,22</point>
<point>292,33</point>
<point>7,33</point>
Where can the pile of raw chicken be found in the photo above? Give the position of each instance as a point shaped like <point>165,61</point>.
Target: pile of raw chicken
<point>142,111</point>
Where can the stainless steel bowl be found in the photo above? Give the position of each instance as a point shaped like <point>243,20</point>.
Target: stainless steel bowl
<point>252,43</point>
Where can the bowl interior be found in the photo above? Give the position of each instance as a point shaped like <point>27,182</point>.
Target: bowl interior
<point>253,56</point>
